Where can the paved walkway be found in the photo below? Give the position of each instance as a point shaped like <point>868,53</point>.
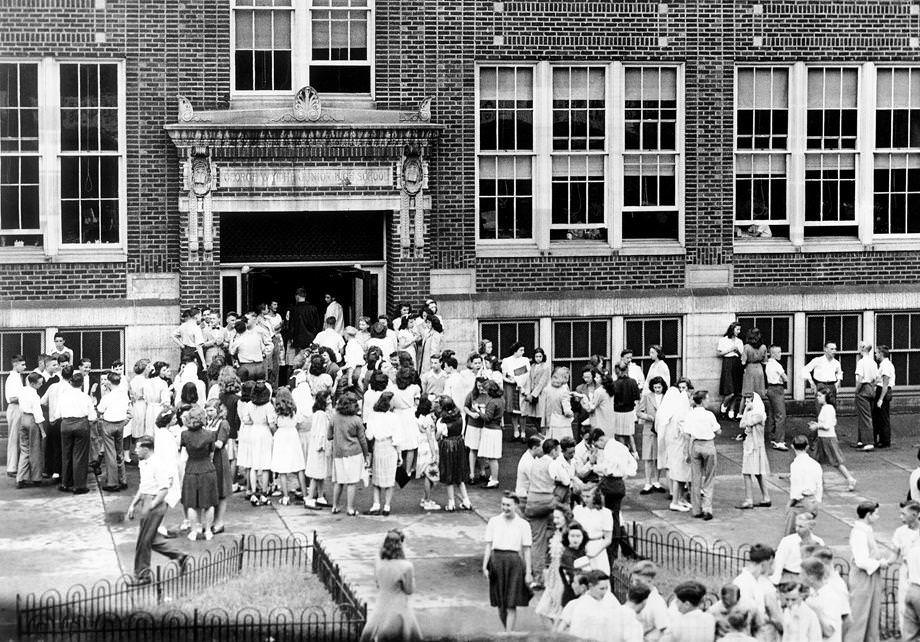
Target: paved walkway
<point>50,540</point>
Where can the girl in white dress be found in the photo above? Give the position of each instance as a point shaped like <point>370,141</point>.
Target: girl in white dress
<point>674,407</point>
<point>317,454</point>
<point>263,420</point>
<point>243,441</point>
<point>427,467</point>
<point>156,392</point>
<point>597,522</point>
<point>405,400</point>
<point>287,451</point>
<point>138,426</point>
<point>382,426</point>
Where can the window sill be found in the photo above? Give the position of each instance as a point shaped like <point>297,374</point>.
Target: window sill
<point>563,249</point>
<point>658,247</point>
<point>268,99</point>
<point>812,246</point>
<point>9,255</point>
<point>895,244</point>
<point>90,255</point>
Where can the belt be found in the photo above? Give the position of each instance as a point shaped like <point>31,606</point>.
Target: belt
<point>12,403</point>
<point>827,383</point>
<point>776,384</point>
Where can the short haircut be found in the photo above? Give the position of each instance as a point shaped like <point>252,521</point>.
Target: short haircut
<point>67,372</point>
<point>814,567</point>
<point>830,343</point>
<point>146,442</point>
<point>739,619</point>
<point>638,593</point>
<point>594,576</point>
<point>239,327</point>
<point>514,347</point>
<point>913,507</point>
<point>824,554</point>
<point>18,358</point>
<point>533,442</point>
<point>699,396</point>
<point>509,495</point>
<point>301,292</point>
<point>141,366</point>
<point>691,592</point>
<point>789,587</point>
<point>114,378</point>
<point>883,350</point>
<point>77,379</point>
<point>451,362</point>
<point>865,508</point>
<point>566,442</point>
<point>34,378</point>
<point>63,358</point>
<point>549,445</point>
<point>330,320</point>
<point>625,351</point>
<point>800,442</point>
<point>58,335</point>
<point>645,568</point>
<point>761,553</point>
<point>730,589</point>
<point>596,434</point>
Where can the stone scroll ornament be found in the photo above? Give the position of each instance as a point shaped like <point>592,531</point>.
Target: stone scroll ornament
<point>200,179</point>
<point>412,178</point>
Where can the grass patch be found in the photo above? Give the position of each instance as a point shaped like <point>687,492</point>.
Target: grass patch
<point>667,578</point>
<point>260,589</point>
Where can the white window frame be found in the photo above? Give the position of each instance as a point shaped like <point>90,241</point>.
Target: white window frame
<point>900,383</point>
<point>97,368</point>
<point>542,170</point>
<point>301,53</point>
<point>890,151</point>
<point>296,37</point>
<point>788,350</point>
<point>21,231</point>
<point>808,356</point>
<point>5,363</point>
<point>535,322</point>
<point>640,353</point>
<point>49,151</point>
<point>554,355</point>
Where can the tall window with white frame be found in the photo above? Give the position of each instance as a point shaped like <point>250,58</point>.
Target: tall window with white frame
<point>896,207</point>
<point>641,334</point>
<point>650,209</point>
<point>761,147</point>
<point>845,330</point>
<point>579,154</point>
<point>901,333</point>
<point>340,51</point>
<point>505,153</point>
<point>830,159</point>
<point>19,202</point>
<point>262,45</point>
<point>90,154</point>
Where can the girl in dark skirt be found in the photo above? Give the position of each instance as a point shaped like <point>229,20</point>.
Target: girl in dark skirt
<point>199,486</point>
<point>729,349</point>
<point>825,448</point>
<point>507,562</point>
<point>453,464</point>
<point>217,422</point>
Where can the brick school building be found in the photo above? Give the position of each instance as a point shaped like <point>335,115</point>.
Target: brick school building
<point>582,176</point>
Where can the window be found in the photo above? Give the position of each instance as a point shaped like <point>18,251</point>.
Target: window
<point>89,153</point>
<point>843,329</point>
<point>830,174</point>
<point>262,51</point>
<point>341,63</point>
<point>579,146</point>
<point>100,346</point>
<point>897,175</point>
<point>546,163</point>
<point>28,343</point>
<point>506,159</point>
<point>575,341</point>
<point>19,219</point>
<point>503,334</point>
<point>650,156</point>
<point>642,334</point>
<point>761,139</point>
<point>901,333</point>
<point>773,330</point>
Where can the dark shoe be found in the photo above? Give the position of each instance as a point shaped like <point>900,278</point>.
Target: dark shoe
<point>385,512</point>
<point>122,487</point>
<point>183,564</point>
<point>23,484</point>
<point>111,489</point>
<point>659,489</point>
<point>707,517</point>
<point>646,491</point>
<point>138,581</point>
<point>745,506</point>
<point>764,504</point>
<point>80,491</point>
<point>218,531</point>
<point>698,515</point>
<point>65,489</point>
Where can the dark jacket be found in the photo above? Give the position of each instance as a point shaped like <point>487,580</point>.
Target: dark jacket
<point>305,323</point>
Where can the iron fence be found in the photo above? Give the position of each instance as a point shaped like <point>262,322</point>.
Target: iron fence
<point>720,560</point>
<point>119,610</point>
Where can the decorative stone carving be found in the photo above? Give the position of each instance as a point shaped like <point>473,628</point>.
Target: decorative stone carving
<point>411,182</point>
<point>200,180</point>
<point>424,110</point>
<point>186,111</point>
<point>307,105</point>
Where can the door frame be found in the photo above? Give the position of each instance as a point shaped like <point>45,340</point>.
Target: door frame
<point>380,271</point>
<point>236,274</point>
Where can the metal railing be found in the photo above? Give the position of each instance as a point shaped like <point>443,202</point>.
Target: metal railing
<point>717,559</point>
<point>119,610</point>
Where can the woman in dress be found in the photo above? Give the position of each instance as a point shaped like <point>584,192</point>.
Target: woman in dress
<point>363,335</point>
<point>382,426</point>
<point>349,451</point>
<point>533,401</point>
<point>658,368</point>
<point>754,462</point>
<point>453,465</point>
<point>427,466</point>
<point>625,393</point>
<point>674,407</point>
<point>262,420</point>
<point>377,384</point>
<point>392,617</point>
<point>490,441</point>
<point>506,562</point>
<point>216,414</point>
<point>229,396</point>
<point>550,605</point>
<point>156,392</point>
<point>729,349</point>
<point>431,332</point>
<point>405,400</point>
<point>557,406</point>
<point>597,521</point>
<point>573,558</point>
<point>515,370</point>
<point>475,401</point>
<point>244,442</point>
<point>317,469</point>
<point>584,391</point>
<point>136,387</point>
<point>287,451</point>
<point>317,377</point>
<point>188,373</point>
<point>645,412</point>
<point>199,485</point>
<point>753,355</point>
<point>600,405</point>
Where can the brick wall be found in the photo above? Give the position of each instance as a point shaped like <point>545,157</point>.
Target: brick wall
<point>40,281</point>
<point>827,268</point>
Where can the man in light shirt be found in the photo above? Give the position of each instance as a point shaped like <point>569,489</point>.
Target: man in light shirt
<point>114,410</point>
<point>702,427</point>
<point>692,624</point>
<point>654,614</point>
<point>189,338</point>
<point>806,483</point>
<point>334,309</point>
<point>634,371</point>
<point>77,410</point>
<point>881,420</point>
<point>525,465</point>
<point>824,600</point>
<point>433,379</point>
<point>29,470</point>
<point>11,389</point>
<point>910,624</point>
<point>905,537</point>
<point>156,478</point>
<point>53,429</point>
<point>757,593</point>
<point>249,347</point>
<point>824,373</point>
<point>787,565</point>
<point>614,464</point>
<point>776,380</point>
<point>331,338</point>
<point>866,375</point>
<point>597,615</point>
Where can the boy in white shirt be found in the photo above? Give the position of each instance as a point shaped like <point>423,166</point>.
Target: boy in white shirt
<point>114,412</point>
<point>654,615</point>
<point>823,599</point>
<point>597,615</point>
<point>800,623</point>
<point>776,380</point>
<point>905,537</point>
<point>692,625</point>
<point>31,434</point>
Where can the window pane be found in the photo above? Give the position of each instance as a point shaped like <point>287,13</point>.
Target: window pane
<point>263,30</point>
<point>69,85</point>
<point>89,85</point>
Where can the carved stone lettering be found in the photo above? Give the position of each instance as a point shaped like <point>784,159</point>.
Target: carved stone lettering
<point>240,177</point>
